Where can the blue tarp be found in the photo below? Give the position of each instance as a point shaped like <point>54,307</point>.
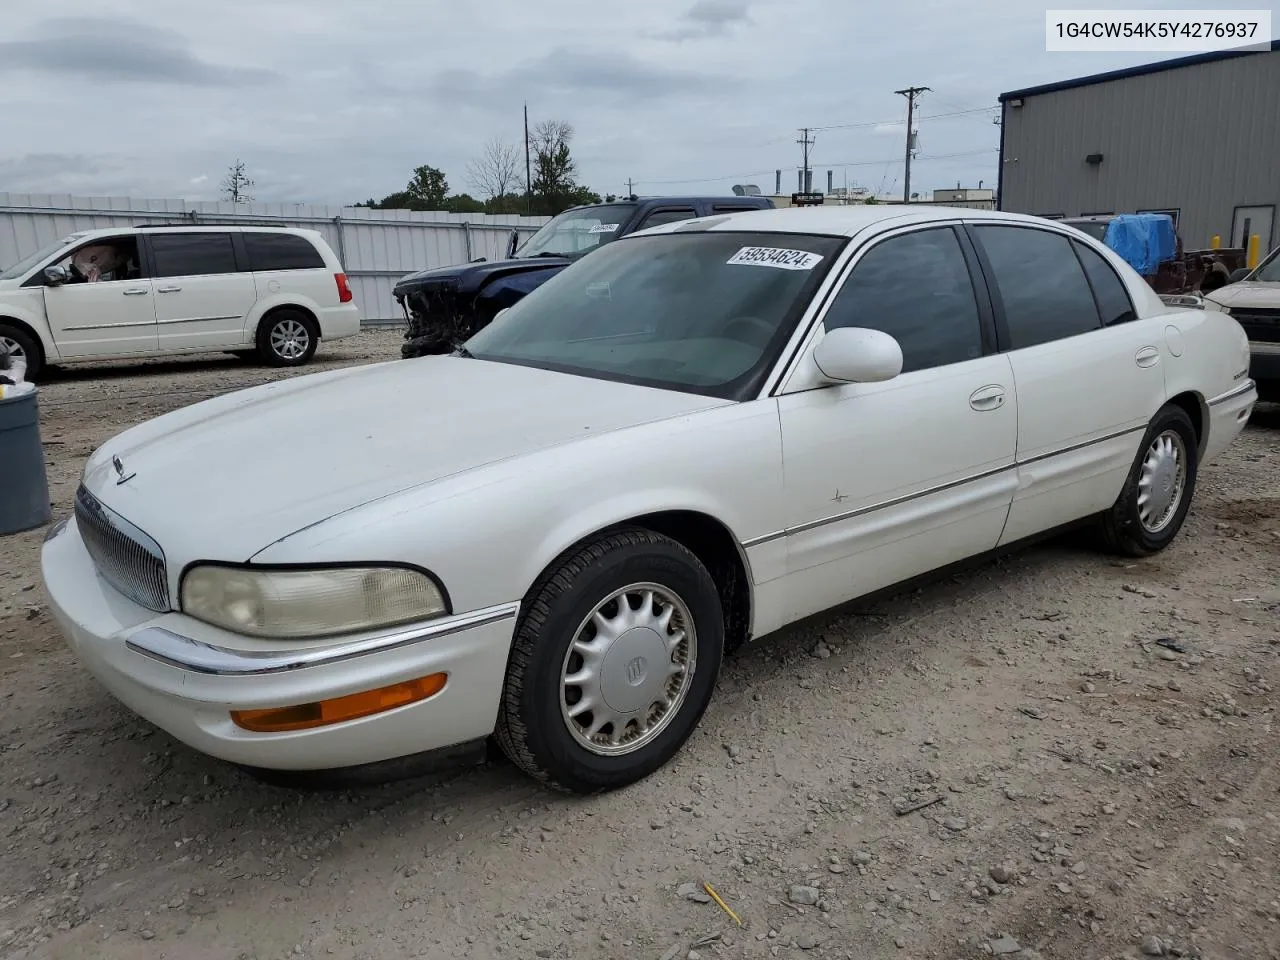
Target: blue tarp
<point>1144,240</point>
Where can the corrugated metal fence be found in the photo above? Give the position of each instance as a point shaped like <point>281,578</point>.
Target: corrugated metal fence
<point>378,247</point>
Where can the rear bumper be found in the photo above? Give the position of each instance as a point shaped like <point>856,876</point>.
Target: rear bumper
<point>186,677</point>
<point>337,323</point>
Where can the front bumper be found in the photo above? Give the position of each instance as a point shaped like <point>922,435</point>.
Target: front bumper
<point>186,677</point>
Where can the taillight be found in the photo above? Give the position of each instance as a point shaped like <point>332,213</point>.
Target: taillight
<point>344,288</point>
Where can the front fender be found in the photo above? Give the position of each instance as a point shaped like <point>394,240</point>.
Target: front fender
<point>26,306</point>
<point>490,532</point>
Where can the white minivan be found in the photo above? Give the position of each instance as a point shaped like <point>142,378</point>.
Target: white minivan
<point>161,290</point>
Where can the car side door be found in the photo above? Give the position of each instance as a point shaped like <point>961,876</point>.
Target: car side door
<point>885,481</point>
<point>1087,370</point>
<point>202,295</point>
<point>102,312</point>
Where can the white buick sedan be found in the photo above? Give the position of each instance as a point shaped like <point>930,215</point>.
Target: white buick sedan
<point>692,437</point>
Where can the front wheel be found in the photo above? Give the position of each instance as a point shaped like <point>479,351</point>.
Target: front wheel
<point>613,663</point>
<point>1157,495</point>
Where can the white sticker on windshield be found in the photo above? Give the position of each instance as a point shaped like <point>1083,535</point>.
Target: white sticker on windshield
<point>776,257</point>
<point>603,228</point>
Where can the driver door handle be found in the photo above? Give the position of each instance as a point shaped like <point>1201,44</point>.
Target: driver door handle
<point>135,292</point>
<point>990,397</point>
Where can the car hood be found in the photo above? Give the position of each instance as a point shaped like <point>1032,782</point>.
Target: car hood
<point>222,479</point>
<point>470,277</point>
<point>1247,293</point>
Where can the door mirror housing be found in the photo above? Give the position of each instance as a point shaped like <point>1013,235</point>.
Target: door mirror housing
<point>55,275</point>
<point>1238,274</point>
<point>513,241</point>
<point>857,355</point>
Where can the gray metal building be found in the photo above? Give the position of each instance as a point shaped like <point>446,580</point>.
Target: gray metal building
<point>1197,137</point>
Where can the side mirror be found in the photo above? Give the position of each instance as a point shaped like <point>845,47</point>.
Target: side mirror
<point>512,242</point>
<point>55,275</point>
<point>1239,274</point>
<point>858,355</point>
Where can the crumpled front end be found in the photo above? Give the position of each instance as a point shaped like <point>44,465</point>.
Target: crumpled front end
<point>439,317</point>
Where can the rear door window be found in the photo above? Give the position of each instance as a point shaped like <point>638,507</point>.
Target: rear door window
<point>281,251</point>
<point>659,217</point>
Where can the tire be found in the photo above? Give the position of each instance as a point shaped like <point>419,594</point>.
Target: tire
<point>287,338</point>
<point>534,728</point>
<point>1126,528</point>
<point>20,342</point>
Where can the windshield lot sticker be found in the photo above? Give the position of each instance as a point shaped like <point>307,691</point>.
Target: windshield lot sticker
<point>776,257</point>
<point>604,228</point>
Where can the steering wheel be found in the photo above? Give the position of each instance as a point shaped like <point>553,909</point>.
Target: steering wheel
<point>753,330</point>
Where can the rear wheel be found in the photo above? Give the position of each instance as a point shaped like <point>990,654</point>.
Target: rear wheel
<point>287,338</point>
<point>613,663</point>
<point>23,347</point>
<point>1157,495</point>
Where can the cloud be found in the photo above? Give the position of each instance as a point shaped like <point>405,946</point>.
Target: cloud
<point>708,18</point>
<point>119,51</point>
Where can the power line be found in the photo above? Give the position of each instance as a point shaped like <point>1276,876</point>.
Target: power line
<point>896,120</point>
<point>836,165</point>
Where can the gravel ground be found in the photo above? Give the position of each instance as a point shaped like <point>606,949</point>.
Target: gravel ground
<point>1056,755</point>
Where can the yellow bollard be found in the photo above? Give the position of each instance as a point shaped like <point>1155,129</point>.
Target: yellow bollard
<point>1255,248</point>
<point>1215,242</point>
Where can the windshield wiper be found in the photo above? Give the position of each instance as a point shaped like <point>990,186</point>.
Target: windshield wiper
<point>463,352</point>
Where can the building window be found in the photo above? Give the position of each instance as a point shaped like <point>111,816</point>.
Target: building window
<point>1172,212</point>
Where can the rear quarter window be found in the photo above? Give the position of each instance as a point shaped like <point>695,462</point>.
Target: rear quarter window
<point>281,251</point>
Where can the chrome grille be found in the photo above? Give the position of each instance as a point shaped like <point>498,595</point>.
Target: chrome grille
<point>126,557</point>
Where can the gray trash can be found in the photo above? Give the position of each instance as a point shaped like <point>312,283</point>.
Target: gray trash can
<point>24,488</point>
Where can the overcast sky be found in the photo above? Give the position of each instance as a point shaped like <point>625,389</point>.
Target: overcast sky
<point>332,101</point>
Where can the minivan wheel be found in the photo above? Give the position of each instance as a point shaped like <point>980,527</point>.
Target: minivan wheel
<point>287,338</point>
<point>22,347</point>
<point>1157,494</point>
<point>613,663</point>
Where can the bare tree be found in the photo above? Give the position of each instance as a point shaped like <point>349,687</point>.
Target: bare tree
<point>495,172</point>
<point>549,135</point>
<point>237,186</point>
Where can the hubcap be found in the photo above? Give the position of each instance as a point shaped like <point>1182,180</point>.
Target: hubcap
<point>628,669</point>
<point>290,339</point>
<point>15,349</point>
<point>1162,481</point>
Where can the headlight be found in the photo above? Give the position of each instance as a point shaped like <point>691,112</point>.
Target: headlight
<point>303,603</point>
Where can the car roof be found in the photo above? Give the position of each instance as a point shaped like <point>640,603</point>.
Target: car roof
<point>842,221</point>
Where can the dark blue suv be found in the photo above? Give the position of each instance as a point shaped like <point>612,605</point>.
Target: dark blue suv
<point>445,306</point>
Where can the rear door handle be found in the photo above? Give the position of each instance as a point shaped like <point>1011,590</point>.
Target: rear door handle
<point>168,289</point>
<point>990,397</point>
<point>136,292</point>
<point>1147,357</point>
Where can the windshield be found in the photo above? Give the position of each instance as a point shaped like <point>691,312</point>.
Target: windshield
<point>22,266</point>
<point>576,232</point>
<point>703,312</point>
<point>1269,270</point>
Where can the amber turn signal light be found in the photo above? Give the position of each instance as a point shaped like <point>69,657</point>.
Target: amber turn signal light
<point>306,716</point>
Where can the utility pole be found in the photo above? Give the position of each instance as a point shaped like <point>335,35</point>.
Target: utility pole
<point>806,143</point>
<point>910,93</point>
<point>630,192</point>
<point>528,170</point>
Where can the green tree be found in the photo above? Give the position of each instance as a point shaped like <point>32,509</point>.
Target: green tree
<point>428,188</point>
